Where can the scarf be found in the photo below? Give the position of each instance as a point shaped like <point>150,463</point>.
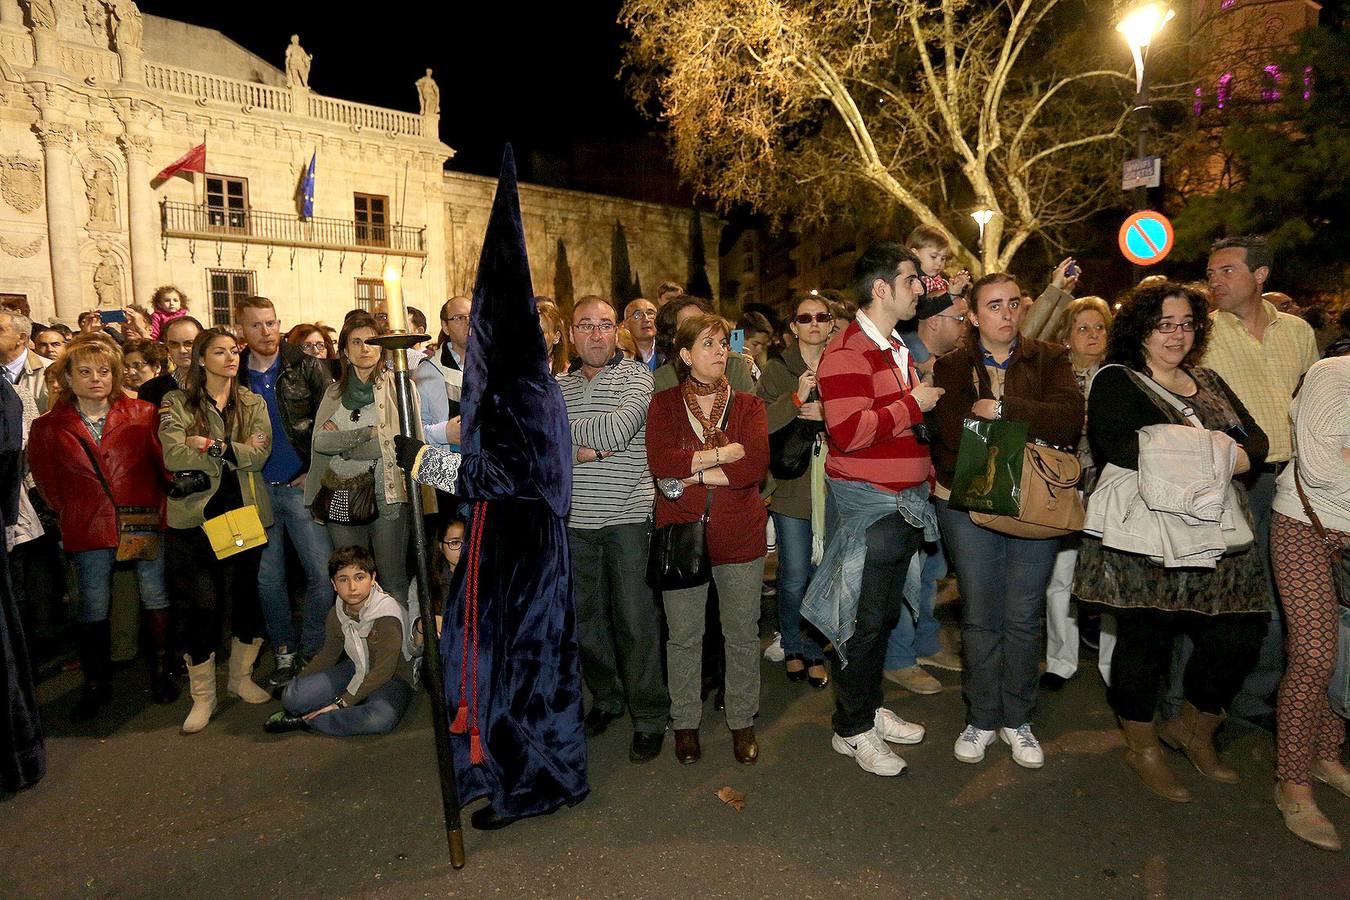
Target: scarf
<point>355,631</point>
<point>358,394</point>
<point>691,390</point>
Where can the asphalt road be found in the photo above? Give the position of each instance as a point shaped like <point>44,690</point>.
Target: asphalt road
<point>131,808</point>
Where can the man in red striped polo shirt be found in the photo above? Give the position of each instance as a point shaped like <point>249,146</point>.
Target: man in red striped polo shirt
<point>878,513</point>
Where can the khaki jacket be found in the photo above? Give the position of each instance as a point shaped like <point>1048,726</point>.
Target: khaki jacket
<point>174,421</point>
<point>386,422</point>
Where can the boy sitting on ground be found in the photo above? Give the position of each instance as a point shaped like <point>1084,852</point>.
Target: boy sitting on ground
<point>361,681</point>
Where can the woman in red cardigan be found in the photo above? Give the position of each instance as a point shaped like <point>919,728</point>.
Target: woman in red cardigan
<point>713,440</point>
<point>91,419</point>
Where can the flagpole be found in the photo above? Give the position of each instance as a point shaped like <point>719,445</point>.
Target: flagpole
<point>399,342</point>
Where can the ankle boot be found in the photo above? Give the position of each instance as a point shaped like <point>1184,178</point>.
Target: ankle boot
<point>1143,754</point>
<point>94,648</point>
<point>202,687</point>
<point>163,688</point>
<point>1307,821</point>
<point>1192,732</point>
<point>240,682</point>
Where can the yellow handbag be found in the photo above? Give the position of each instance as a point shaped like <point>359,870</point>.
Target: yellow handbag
<point>235,531</point>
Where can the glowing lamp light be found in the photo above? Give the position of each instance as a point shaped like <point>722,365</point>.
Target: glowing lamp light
<point>982,217</point>
<point>393,300</point>
<point>1139,27</point>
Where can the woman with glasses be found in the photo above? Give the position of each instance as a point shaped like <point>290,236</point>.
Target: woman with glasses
<point>354,447</point>
<point>141,361</point>
<point>788,389</point>
<point>1086,323</point>
<point>313,341</point>
<point>1158,335</point>
<point>713,440</point>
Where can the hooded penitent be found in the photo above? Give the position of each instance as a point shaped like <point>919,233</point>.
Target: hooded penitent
<point>513,686</point>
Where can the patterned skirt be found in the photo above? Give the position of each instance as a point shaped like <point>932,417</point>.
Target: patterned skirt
<point>1129,581</point>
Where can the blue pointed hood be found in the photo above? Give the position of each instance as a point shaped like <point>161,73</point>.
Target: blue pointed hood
<point>512,407</point>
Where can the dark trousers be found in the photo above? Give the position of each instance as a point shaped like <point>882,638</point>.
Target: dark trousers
<point>619,623</point>
<point>1002,581</point>
<point>205,591</point>
<point>891,543</point>
<point>1226,647</point>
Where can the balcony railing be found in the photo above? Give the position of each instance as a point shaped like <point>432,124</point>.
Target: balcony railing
<point>202,222</point>
<point>254,96</point>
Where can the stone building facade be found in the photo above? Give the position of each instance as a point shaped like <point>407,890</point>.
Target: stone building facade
<point>95,99</point>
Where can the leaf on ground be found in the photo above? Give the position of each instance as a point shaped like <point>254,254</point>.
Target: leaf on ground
<point>732,797</point>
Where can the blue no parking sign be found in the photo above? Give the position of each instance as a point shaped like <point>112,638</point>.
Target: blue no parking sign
<point>1146,238</point>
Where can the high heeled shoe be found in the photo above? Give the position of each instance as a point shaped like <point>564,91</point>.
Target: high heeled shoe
<point>794,675</point>
<point>819,682</point>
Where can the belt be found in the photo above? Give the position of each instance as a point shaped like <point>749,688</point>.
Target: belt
<point>1274,468</point>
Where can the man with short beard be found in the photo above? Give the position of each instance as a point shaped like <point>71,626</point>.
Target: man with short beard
<point>609,530</point>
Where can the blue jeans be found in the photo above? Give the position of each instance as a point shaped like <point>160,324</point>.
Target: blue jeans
<point>290,517</point>
<point>1002,581</point>
<point>379,713</point>
<point>911,639</point>
<point>93,570</point>
<point>794,574</point>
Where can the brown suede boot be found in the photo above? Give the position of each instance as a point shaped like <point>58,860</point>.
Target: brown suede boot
<point>1192,733</point>
<point>1143,754</point>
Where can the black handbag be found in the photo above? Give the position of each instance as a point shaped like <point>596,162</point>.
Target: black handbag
<point>1340,565</point>
<point>346,501</point>
<point>790,448</point>
<point>679,554</point>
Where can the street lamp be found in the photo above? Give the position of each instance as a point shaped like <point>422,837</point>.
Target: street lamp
<point>1139,27</point>
<point>982,217</point>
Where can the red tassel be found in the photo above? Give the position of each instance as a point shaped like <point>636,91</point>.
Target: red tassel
<point>461,723</point>
<point>475,748</point>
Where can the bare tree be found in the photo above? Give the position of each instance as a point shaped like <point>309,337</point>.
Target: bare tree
<point>809,108</point>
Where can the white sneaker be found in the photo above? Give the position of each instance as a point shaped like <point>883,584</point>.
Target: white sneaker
<point>895,729</point>
<point>774,652</point>
<point>871,752</point>
<point>1026,750</point>
<point>970,745</point>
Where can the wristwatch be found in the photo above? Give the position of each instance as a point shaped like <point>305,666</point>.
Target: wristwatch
<point>998,410</point>
<point>216,449</point>
<point>340,703</point>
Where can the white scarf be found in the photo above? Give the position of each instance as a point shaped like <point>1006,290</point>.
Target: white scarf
<point>355,631</point>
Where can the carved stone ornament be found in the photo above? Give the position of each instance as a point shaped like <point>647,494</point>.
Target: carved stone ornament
<point>21,251</point>
<point>21,183</point>
<point>108,281</point>
<point>102,195</point>
<point>55,135</point>
<point>135,145</point>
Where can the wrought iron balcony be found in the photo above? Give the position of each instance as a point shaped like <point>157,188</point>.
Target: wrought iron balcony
<point>252,226</point>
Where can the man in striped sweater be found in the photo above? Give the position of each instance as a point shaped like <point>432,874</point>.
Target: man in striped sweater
<point>609,531</point>
<point>877,475</point>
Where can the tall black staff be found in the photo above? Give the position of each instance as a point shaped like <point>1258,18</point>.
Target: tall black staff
<point>400,341</point>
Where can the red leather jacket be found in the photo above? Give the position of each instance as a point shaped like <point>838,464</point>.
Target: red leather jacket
<point>129,456</point>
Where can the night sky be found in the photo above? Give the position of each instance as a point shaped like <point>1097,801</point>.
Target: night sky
<point>538,75</point>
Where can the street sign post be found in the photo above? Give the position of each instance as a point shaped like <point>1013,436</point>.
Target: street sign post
<point>1146,238</point>
<point>1143,172</point>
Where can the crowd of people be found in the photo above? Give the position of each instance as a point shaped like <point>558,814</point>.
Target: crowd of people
<point>196,457</point>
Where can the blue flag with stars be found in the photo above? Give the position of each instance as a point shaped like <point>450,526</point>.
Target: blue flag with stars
<point>307,189</point>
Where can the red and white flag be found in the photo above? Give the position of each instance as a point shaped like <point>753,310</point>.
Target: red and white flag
<point>192,161</point>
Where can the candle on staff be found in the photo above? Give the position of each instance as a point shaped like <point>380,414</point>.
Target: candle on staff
<point>393,300</point>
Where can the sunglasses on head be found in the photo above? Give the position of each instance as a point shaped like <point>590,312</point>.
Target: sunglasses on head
<point>808,318</point>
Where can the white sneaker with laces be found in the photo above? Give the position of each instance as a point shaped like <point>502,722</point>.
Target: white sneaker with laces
<point>870,751</point>
<point>895,729</point>
<point>774,652</point>
<point>1026,750</point>
<point>972,742</point>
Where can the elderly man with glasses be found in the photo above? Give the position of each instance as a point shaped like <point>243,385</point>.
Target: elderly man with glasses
<point>639,317</point>
<point>609,530</point>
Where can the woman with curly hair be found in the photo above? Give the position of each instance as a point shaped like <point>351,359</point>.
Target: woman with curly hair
<point>1157,338</point>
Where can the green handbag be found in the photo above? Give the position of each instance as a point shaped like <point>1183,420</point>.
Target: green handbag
<point>988,476</point>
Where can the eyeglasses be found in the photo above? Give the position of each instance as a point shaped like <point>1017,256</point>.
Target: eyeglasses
<point>453,543</point>
<point>462,317</point>
<point>1098,328</point>
<point>808,318</point>
<point>961,319</point>
<point>1169,327</point>
<point>642,314</point>
<point>590,327</point>
<point>315,346</point>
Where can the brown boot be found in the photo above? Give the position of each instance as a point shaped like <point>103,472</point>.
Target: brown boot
<point>1143,754</point>
<point>1192,733</point>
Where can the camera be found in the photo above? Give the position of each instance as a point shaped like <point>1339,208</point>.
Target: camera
<point>185,484</point>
